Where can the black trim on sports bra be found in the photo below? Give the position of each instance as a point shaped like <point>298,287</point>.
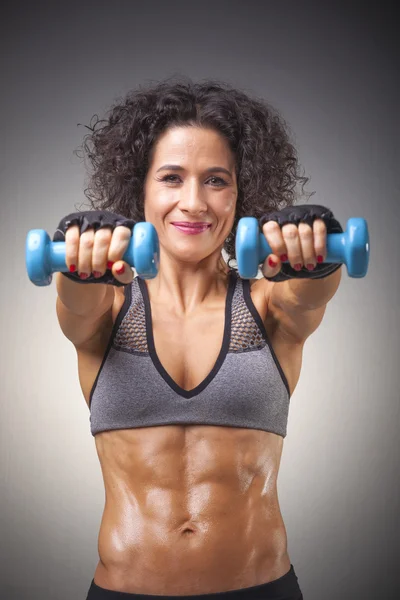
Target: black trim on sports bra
<point>126,304</point>
<point>259,321</point>
<point>221,356</point>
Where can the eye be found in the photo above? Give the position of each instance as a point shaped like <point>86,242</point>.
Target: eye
<point>222,182</point>
<point>166,177</point>
<point>219,180</point>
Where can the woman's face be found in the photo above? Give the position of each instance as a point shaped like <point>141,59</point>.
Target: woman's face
<point>191,181</point>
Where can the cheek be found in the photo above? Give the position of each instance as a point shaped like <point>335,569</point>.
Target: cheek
<point>229,208</point>
<point>157,205</point>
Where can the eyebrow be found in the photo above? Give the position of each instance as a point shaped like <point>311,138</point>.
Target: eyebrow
<point>209,170</point>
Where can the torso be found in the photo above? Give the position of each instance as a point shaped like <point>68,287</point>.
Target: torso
<point>197,505</point>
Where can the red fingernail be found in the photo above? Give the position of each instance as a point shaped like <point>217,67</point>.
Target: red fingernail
<point>72,268</point>
<point>97,273</point>
<point>271,262</point>
<point>320,259</point>
<point>83,275</point>
<point>284,257</point>
<point>297,267</point>
<point>109,264</point>
<point>310,267</point>
<point>121,270</point>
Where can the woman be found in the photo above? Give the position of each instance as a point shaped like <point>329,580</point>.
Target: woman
<point>188,375</point>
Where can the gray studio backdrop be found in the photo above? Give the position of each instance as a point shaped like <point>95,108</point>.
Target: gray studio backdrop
<point>332,72</point>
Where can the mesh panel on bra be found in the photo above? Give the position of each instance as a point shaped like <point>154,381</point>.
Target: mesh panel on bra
<point>131,335</point>
<point>245,333</point>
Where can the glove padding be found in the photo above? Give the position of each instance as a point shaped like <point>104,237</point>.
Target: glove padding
<point>304,213</point>
<point>95,219</point>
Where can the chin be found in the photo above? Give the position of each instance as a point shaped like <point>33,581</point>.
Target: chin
<point>187,255</point>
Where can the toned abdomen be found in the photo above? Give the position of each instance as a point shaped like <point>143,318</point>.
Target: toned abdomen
<point>190,510</point>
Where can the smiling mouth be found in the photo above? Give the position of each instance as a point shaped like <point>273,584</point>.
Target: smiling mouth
<point>191,228</point>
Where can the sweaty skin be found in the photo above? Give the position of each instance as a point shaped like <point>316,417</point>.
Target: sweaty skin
<point>190,509</point>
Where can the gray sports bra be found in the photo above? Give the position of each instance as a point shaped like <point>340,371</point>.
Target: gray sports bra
<point>245,388</point>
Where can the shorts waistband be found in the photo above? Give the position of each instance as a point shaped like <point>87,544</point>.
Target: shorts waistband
<point>283,588</point>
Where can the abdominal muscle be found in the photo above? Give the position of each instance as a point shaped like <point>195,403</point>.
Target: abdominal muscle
<point>189,509</point>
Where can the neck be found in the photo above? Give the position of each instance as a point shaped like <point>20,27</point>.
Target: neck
<point>183,287</point>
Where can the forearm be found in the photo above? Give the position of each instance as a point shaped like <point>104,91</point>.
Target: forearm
<point>314,293</point>
<point>82,299</point>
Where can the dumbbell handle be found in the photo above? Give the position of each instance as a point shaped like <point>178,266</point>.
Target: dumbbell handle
<point>350,247</point>
<point>44,257</point>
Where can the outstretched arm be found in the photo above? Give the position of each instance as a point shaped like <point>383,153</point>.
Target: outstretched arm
<point>299,305</point>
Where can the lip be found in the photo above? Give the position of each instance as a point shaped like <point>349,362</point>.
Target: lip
<point>191,228</point>
<point>191,224</point>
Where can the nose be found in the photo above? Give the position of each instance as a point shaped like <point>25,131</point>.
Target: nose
<point>193,198</point>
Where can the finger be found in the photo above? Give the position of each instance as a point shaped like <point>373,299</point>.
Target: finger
<point>273,235</point>
<point>272,264</point>
<point>101,245</point>
<point>291,237</point>
<point>320,237</point>
<point>122,271</point>
<point>84,266</point>
<point>72,247</point>
<point>306,237</point>
<point>119,244</point>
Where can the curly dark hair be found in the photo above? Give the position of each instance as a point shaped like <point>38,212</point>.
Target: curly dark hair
<point>119,147</point>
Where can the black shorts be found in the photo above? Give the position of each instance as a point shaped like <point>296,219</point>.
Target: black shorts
<point>284,588</point>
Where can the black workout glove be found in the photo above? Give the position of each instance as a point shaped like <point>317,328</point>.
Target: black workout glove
<point>304,213</point>
<point>95,219</point>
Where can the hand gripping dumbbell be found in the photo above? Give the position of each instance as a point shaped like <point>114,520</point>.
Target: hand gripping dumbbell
<point>350,247</point>
<point>44,257</point>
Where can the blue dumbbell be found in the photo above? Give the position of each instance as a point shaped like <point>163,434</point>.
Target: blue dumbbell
<point>350,247</point>
<point>44,257</point>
